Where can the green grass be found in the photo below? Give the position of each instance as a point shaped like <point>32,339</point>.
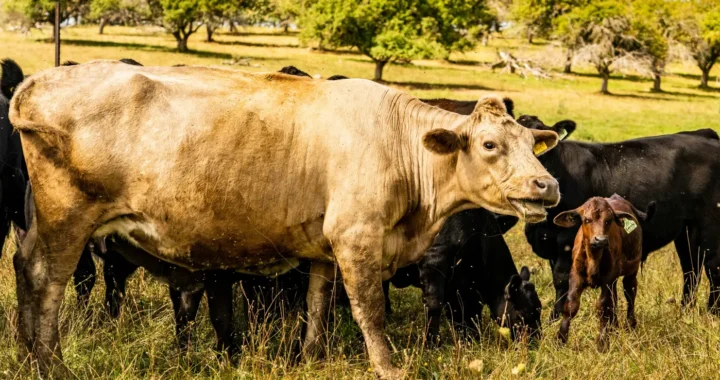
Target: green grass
<point>140,345</point>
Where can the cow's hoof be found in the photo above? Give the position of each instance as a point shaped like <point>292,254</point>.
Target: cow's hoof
<point>603,343</point>
<point>390,373</point>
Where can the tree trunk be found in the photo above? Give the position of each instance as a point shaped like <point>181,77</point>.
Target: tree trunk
<point>656,83</point>
<point>103,22</point>
<point>379,66</point>
<point>530,37</point>
<point>181,41</point>
<point>210,31</point>
<point>705,77</point>
<point>568,61</point>
<point>485,39</point>
<point>605,78</point>
<point>233,27</point>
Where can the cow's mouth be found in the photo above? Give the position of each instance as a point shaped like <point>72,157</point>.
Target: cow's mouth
<point>532,210</point>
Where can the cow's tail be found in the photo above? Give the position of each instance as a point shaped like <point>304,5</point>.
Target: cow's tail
<point>21,98</point>
<point>12,76</point>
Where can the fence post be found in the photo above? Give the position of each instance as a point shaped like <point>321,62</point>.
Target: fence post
<point>57,33</point>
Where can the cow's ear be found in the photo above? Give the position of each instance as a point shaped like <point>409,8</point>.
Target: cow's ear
<point>443,141</point>
<point>567,219</point>
<point>544,141</point>
<point>564,128</point>
<point>509,107</point>
<point>492,104</point>
<point>513,287</point>
<point>525,273</point>
<point>626,220</point>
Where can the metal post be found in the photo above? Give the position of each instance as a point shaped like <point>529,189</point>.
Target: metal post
<point>57,33</point>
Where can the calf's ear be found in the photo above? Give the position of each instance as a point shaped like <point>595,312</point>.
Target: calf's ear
<point>544,141</point>
<point>443,141</point>
<point>525,273</point>
<point>513,288</point>
<point>492,104</point>
<point>621,216</point>
<point>567,219</point>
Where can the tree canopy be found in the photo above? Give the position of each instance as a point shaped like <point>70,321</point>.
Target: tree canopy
<point>396,30</point>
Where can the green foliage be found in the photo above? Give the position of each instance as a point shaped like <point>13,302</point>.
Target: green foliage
<point>397,30</point>
<point>654,25</point>
<point>699,31</point>
<point>539,17</point>
<point>44,10</point>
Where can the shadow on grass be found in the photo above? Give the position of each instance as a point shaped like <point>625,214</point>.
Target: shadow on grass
<point>146,47</point>
<point>266,34</point>
<point>629,78</point>
<point>256,44</point>
<point>689,94</point>
<point>439,86</point>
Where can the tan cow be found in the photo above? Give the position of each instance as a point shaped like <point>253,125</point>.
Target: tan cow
<point>213,168</point>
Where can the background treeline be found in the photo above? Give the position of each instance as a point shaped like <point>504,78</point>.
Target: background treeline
<point>642,35</point>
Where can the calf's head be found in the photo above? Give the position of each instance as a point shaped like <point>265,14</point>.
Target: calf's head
<point>495,162</point>
<point>597,219</point>
<point>521,310</point>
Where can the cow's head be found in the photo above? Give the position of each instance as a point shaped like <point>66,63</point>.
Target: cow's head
<point>563,128</point>
<point>495,161</point>
<point>521,309</point>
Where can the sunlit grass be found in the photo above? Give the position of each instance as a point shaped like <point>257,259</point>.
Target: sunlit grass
<point>140,345</point>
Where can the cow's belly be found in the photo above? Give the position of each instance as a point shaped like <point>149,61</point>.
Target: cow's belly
<point>252,249</point>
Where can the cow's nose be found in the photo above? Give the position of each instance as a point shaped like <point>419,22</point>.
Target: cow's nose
<point>546,188</point>
<point>599,242</point>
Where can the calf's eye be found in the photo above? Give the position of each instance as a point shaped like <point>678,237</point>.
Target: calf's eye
<point>489,145</point>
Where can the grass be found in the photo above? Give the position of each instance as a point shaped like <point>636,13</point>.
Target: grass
<point>667,343</point>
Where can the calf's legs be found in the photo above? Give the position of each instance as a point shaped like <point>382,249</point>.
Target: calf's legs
<point>84,277</point>
<point>322,276</point>
<point>606,312</point>
<point>219,288</point>
<point>686,245</point>
<point>116,270</point>
<point>185,307</point>
<point>630,290</point>
<point>572,305</point>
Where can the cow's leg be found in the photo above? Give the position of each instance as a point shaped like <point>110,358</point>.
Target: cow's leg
<point>360,262</point>
<point>84,276</point>
<point>185,307</point>
<point>434,272</point>
<point>710,247</point>
<point>48,268</point>
<point>26,331</point>
<point>606,312</point>
<point>322,275</point>
<point>561,273</point>
<point>116,270</point>
<point>219,288</point>
<point>630,290</point>
<point>686,245</point>
<point>571,307</point>
<point>386,292</point>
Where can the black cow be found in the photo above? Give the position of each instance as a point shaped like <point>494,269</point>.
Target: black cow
<point>469,266</point>
<point>680,171</point>
<point>13,172</point>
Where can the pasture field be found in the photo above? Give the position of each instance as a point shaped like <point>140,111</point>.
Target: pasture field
<point>668,343</point>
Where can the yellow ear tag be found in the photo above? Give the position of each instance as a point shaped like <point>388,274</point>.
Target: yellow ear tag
<point>539,148</point>
<point>563,134</point>
<point>629,225</point>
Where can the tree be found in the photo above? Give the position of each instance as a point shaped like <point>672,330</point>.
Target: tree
<point>654,25</point>
<point>604,34</point>
<point>538,16</point>
<point>699,31</point>
<point>396,30</point>
<point>116,11</point>
<point>284,12</point>
<point>182,18</point>
<point>44,10</point>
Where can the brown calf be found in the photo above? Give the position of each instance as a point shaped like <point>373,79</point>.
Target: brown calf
<point>608,245</point>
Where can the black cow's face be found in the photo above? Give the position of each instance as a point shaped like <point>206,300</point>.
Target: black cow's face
<point>522,307</point>
<point>563,128</point>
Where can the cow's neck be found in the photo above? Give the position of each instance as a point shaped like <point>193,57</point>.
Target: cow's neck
<point>433,186</point>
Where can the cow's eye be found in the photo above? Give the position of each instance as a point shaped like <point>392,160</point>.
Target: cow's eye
<point>489,145</point>
<point>588,221</point>
<point>607,222</point>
